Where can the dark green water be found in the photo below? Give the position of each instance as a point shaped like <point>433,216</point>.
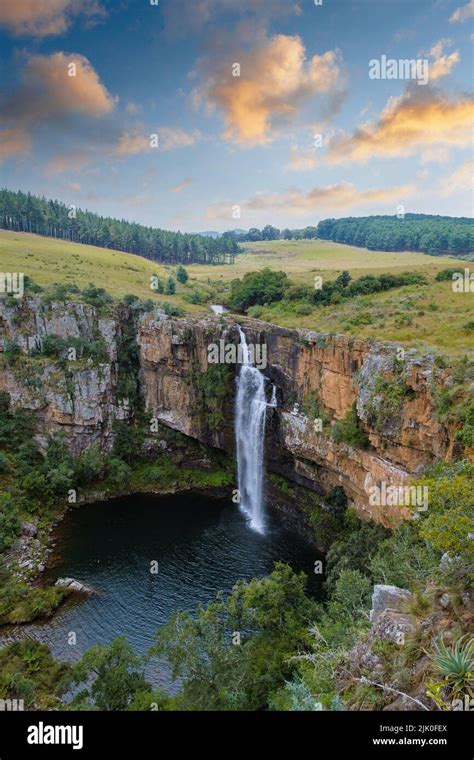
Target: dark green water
<point>201,546</point>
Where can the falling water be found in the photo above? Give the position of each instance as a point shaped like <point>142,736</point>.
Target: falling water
<point>250,413</point>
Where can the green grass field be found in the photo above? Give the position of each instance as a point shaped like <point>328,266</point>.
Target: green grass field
<point>303,259</point>
<point>430,315</point>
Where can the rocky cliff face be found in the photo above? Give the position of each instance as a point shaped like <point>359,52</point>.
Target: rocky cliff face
<point>394,393</point>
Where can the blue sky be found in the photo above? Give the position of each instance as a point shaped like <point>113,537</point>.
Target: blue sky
<point>301,134</point>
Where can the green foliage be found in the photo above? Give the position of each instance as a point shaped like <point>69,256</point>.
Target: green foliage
<point>90,465</point>
<point>312,406</point>
<point>214,387</point>
<point>23,212</point>
<point>455,664</point>
<point>324,525</point>
<point>118,678</point>
<point>354,549</point>
<point>404,560</point>
<point>29,672</point>
<point>449,520</point>
<point>216,671</point>
<point>337,502</point>
<point>261,288</point>
<point>118,473</point>
<point>182,275</point>
<point>170,289</point>
<point>15,425</point>
<point>415,232</point>
<point>97,297</point>
<point>348,430</point>
<point>388,395</point>
<point>10,523</point>
<point>128,441</point>
<point>351,597</point>
<point>172,310</point>
<point>21,603</point>
<point>446,274</point>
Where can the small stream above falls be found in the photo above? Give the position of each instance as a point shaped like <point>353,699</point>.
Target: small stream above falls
<point>202,545</point>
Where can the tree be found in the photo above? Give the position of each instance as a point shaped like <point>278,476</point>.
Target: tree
<point>234,653</point>
<point>181,275</point>
<point>119,472</point>
<point>170,289</point>
<point>10,523</point>
<point>261,287</point>
<point>117,674</point>
<point>344,279</point>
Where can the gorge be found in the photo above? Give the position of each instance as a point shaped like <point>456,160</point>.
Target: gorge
<point>315,377</point>
<point>152,439</point>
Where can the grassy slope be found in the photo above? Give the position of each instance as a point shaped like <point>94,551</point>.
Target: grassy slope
<point>396,315</point>
<point>303,259</point>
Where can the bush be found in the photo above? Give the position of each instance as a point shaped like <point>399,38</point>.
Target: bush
<point>262,287</point>
<point>10,523</point>
<point>90,464</point>
<point>4,463</point>
<point>351,597</point>
<point>355,548</point>
<point>172,310</point>
<point>348,430</point>
<point>170,289</point>
<point>404,560</point>
<point>181,275</point>
<point>97,297</point>
<point>119,473</point>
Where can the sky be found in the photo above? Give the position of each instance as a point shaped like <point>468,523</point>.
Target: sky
<point>221,114</point>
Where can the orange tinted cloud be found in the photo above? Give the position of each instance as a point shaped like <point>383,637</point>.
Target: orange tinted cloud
<point>442,64</point>
<point>300,160</point>
<point>65,84</point>
<point>463,13</point>
<point>65,162</point>
<point>460,180</point>
<point>343,195</point>
<point>48,94</point>
<point>13,142</point>
<point>181,186</point>
<point>275,81</point>
<point>42,18</point>
<point>132,142</point>
<point>409,124</point>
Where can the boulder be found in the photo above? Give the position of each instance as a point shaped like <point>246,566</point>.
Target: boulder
<point>74,585</point>
<point>29,529</point>
<point>394,626</point>
<point>389,598</point>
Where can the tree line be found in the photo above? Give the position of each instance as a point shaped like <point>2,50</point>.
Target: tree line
<point>24,212</point>
<point>270,233</point>
<point>436,235</point>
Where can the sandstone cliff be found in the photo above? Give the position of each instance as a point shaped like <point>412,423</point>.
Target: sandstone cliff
<point>394,394</point>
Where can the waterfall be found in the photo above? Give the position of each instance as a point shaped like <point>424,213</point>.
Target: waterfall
<point>250,414</point>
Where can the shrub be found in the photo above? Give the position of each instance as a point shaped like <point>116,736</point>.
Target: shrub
<point>170,289</point>
<point>348,430</point>
<point>119,473</point>
<point>90,464</point>
<point>181,275</point>
<point>456,663</point>
<point>172,310</point>
<point>262,287</point>
<point>10,523</point>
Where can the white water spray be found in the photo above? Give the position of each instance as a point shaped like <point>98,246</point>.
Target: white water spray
<point>250,415</point>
